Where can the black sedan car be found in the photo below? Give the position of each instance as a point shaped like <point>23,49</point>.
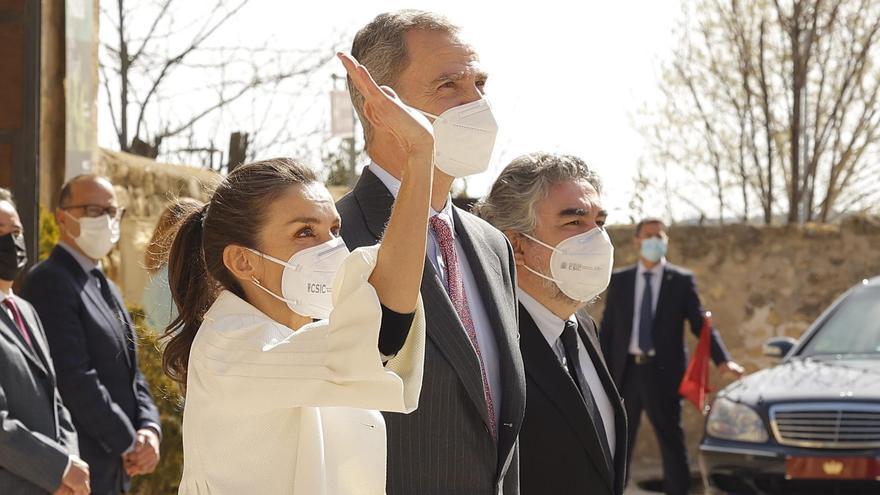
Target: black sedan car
<point>811,424</point>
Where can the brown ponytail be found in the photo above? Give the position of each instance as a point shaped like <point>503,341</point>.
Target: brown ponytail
<point>196,273</point>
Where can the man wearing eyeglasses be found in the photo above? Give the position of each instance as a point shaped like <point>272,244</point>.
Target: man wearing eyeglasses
<point>92,340</point>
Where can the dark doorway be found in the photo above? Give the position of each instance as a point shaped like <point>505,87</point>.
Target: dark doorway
<point>20,110</point>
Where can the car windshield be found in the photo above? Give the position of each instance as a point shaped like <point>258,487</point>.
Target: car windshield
<point>852,329</point>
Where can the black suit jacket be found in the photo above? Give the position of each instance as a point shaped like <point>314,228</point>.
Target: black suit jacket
<point>678,302</point>
<point>96,360</point>
<point>445,447</point>
<point>560,451</point>
<point>36,433</point>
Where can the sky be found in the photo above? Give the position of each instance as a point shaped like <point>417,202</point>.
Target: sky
<point>569,77</point>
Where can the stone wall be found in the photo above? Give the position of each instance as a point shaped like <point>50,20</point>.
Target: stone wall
<point>145,188</point>
<point>759,282</point>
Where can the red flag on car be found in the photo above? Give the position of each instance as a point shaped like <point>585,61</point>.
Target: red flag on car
<point>695,384</point>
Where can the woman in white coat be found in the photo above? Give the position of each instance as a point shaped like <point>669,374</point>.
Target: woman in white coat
<point>283,385</point>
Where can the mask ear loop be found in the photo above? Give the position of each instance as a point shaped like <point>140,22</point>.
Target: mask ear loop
<point>552,248</point>
<point>75,220</point>
<point>274,259</point>
<point>545,277</point>
<point>257,282</point>
<point>265,289</point>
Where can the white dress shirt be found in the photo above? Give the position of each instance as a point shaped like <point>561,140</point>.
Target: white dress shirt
<point>551,327</point>
<point>482,324</point>
<point>656,281</point>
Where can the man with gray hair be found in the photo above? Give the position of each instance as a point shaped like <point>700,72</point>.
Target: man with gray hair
<point>573,438</point>
<point>463,437</point>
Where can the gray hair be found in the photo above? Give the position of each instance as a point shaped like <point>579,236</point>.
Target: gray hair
<point>510,205</point>
<point>381,47</point>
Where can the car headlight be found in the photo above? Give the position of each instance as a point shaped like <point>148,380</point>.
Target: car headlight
<point>732,421</point>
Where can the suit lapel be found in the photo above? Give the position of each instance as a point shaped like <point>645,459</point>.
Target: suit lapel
<point>376,202</point>
<point>544,368</point>
<point>587,331</point>
<point>626,298</point>
<point>451,339</point>
<point>110,316</point>
<point>485,263</point>
<point>42,347</point>
<point>628,279</point>
<point>93,294</point>
<point>128,334</point>
<point>9,330</point>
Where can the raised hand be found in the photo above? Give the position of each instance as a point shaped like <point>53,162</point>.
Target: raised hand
<point>397,276</point>
<point>386,111</point>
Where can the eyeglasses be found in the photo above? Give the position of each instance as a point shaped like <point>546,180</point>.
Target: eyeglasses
<point>95,211</point>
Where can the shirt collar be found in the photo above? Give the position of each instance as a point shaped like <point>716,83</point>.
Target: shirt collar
<point>87,264</point>
<point>393,185</point>
<point>550,325</point>
<point>657,271</point>
<point>4,296</point>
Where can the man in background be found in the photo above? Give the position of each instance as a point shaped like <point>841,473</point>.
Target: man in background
<point>38,445</point>
<point>642,339</point>
<point>92,339</point>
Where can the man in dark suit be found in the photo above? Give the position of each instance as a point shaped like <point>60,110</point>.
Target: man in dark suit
<point>38,448</point>
<point>642,338</point>
<point>573,439</point>
<point>462,438</point>
<point>92,339</point>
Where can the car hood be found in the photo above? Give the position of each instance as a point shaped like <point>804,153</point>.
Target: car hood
<point>810,379</point>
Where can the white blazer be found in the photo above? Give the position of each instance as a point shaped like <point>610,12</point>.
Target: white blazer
<point>270,411</point>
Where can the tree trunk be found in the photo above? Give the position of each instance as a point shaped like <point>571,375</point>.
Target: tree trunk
<point>795,124</point>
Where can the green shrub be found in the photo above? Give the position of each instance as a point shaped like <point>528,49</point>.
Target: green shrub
<point>49,233</point>
<point>166,393</point>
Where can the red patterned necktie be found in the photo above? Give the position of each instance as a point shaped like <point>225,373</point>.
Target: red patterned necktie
<point>19,322</point>
<point>455,289</point>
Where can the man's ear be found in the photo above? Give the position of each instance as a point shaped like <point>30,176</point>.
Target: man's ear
<point>240,262</point>
<point>516,242</point>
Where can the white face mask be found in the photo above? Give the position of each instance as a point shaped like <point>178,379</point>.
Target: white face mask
<point>307,280</point>
<point>464,137</point>
<point>580,265</point>
<point>97,235</point>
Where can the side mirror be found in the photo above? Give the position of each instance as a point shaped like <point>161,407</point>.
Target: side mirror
<point>779,347</point>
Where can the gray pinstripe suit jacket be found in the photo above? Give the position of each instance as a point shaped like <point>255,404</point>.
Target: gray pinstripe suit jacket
<point>36,433</point>
<point>444,447</point>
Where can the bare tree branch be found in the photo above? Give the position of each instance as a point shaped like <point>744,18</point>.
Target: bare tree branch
<point>773,98</point>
